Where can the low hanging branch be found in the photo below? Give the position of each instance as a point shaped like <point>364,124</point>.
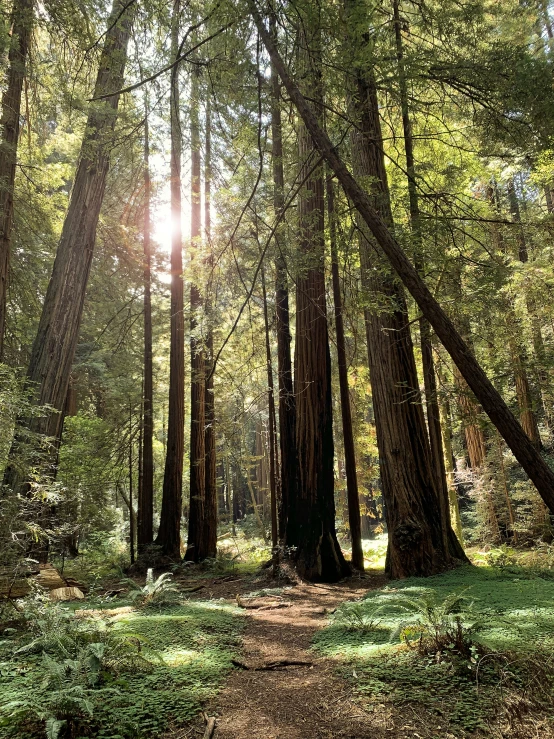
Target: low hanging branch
<point>490,399</point>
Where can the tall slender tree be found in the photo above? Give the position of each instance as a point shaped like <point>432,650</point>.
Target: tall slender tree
<point>287,402</point>
<point>196,550</point>
<point>169,532</point>
<point>354,518</point>
<point>311,522</point>
<point>210,506</point>
<point>428,365</point>
<point>146,488</point>
<point>22,21</point>
<point>54,345</point>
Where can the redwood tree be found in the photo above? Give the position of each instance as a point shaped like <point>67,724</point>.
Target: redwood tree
<point>21,22</point>
<point>210,507</point>
<point>491,400</point>
<point>287,402</point>
<point>146,487</point>
<point>169,532</point>
<point>312,514</point>
<point>196,543</point>
<point>354,518</point>
<point>54,345</point>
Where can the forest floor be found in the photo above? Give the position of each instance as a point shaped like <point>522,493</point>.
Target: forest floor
<point>292,701</point>
<point>342,689</point>
<point>276,659</point>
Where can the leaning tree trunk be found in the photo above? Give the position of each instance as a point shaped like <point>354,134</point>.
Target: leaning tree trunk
<point>318,554</point>
<point>21,22</point>
<point>419,531</point>
<point>210,506</point>
<point>169,532</point>
<point>54,346</point>
<point>146,489</point>
<point>491,400</point>
<point>287,402</point>
<point>353,498</point>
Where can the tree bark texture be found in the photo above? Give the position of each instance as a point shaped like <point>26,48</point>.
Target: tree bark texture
<point>54,345</point>
<point>427,361</point>
<point>271,425</point>
<point>169,532</point>
<point>354,518</point>
<point>318,554</point>
<point>287,401</point>
<point>145,532</point>
<point>196,549</point>
<point>418,536</point>
<point>210,508</point>
<point>22,21</point>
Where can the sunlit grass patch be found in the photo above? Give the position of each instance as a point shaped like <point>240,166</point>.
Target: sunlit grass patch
<point>456,643</point>
<point>185,652</point>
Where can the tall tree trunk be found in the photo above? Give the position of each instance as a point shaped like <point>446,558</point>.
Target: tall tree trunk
<point>527,416</point>
<point>470,411</point>
<point>536,332</point>
<point>146,492</point>
<point>429,378</point>
<point>353,497</point>
<point>492,402</point>
<point>287,401</point>
<point>54,345</point>
<point>312,519</point>
<point>22,21</point>
<point>210,508</point>
<point>271,428</point>
<point>446,427</point>
<point>132,519</point>
<point>196,545</point>
<point>418,534</point>
<point>169,532</point>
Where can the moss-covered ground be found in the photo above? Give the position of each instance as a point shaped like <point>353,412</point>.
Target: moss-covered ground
<point>187,650</point>
<point>507,615</point>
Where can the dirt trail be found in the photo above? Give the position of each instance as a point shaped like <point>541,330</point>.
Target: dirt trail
<point>296,702</point>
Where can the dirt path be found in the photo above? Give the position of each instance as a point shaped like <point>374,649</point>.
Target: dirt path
<point>296,702</point>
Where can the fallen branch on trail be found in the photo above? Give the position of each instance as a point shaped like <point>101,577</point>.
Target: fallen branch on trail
<point>210,726</point>
<point>275,665</point>
<point>194,589</point>
<point>262,606</point>
<point>472,372</point>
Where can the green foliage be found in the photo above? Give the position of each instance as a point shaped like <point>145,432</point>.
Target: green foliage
<point>456,643</point>
<point>157,592</point>
<point>441,626</point>
<point>137,671</point>
<point>501,557</point>
<point>356,617</point>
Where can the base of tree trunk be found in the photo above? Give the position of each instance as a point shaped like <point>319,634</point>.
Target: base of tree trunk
<point>322,561</point>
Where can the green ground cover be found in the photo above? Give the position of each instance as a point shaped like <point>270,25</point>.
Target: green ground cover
<point>457,644</point>
<point>129,676</point>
